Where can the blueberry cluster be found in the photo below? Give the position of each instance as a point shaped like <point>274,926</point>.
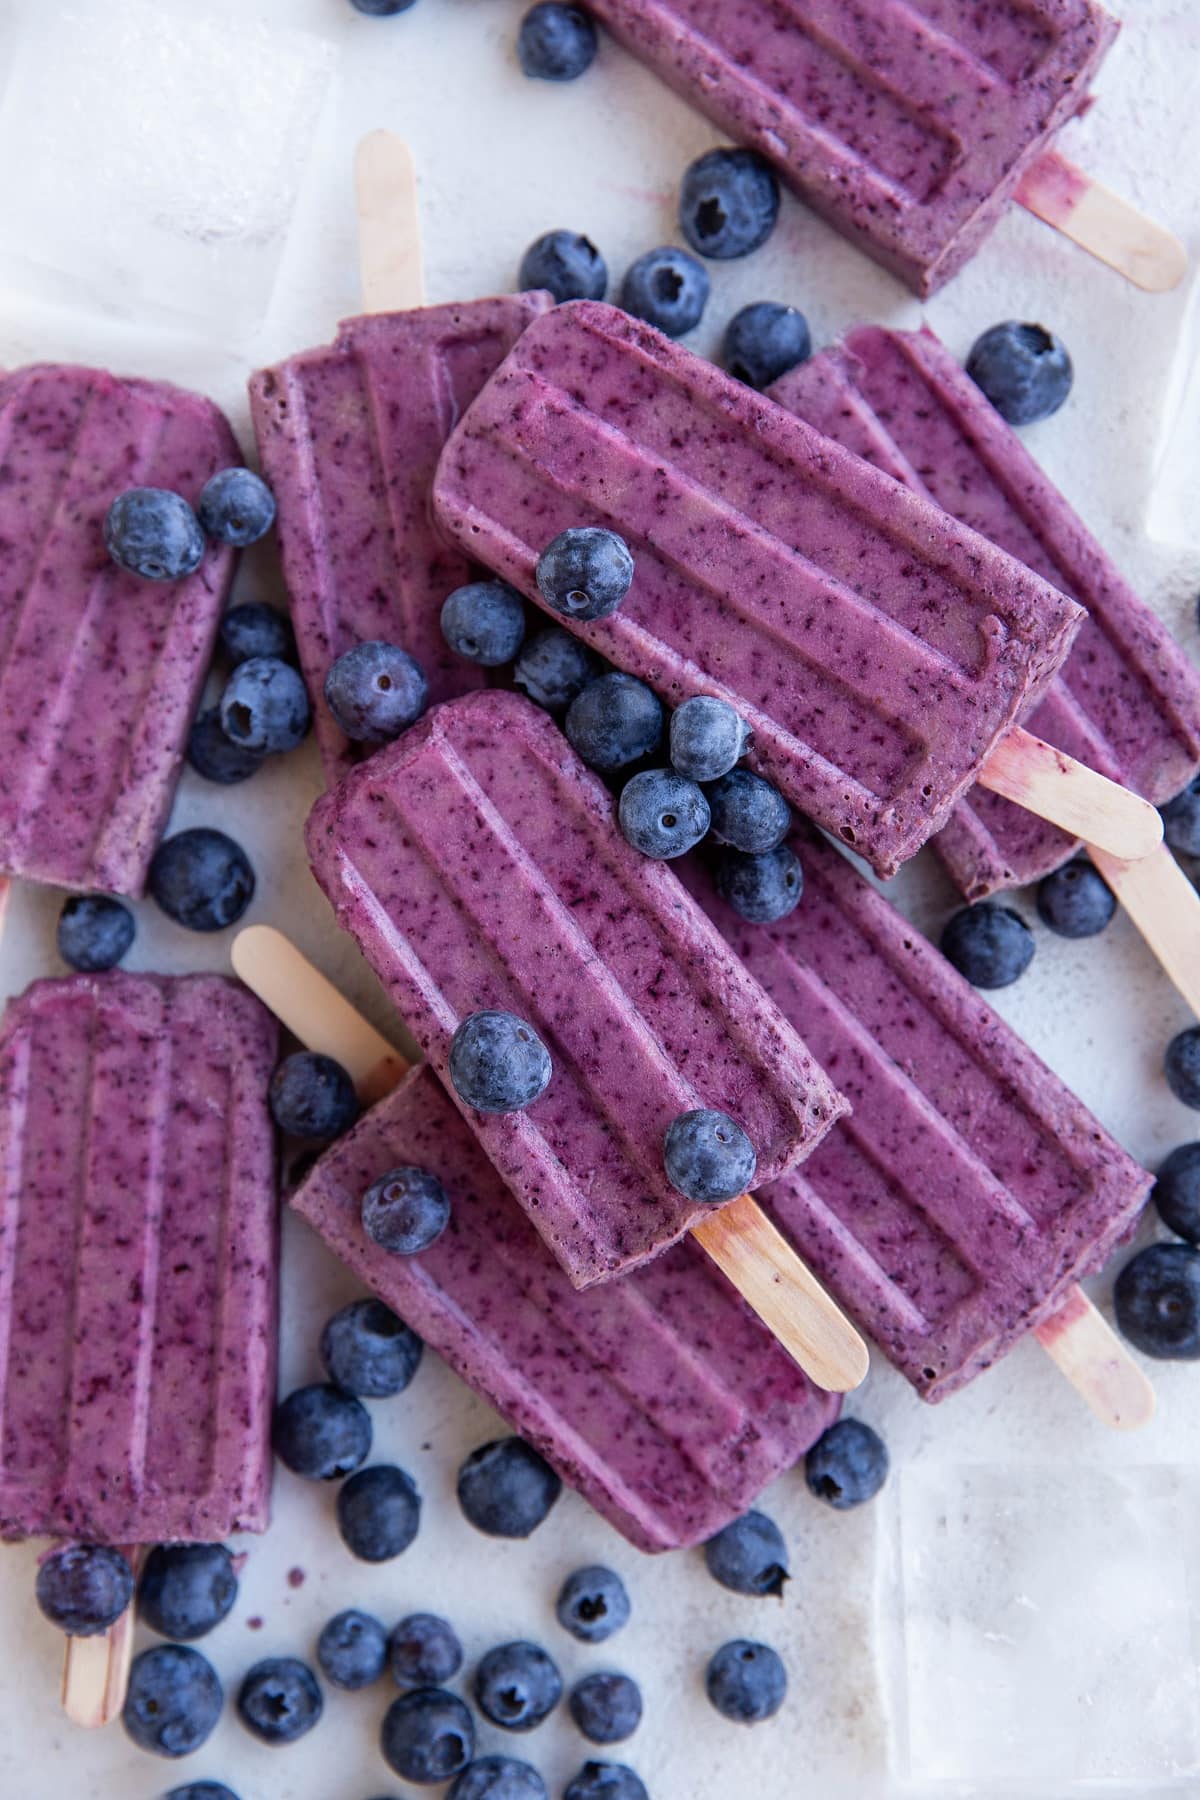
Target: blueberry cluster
<point>157,535</point>
<point>1157,1293</point>
<point>993,946</point>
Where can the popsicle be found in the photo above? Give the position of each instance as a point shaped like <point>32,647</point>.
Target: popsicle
<point>349,436</point>
<point>100,672</point>
<point>880,652</point>
<point>908,127</point>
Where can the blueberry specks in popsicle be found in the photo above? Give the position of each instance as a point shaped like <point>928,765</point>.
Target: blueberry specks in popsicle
<point>728,203</point>
<point>991,945</point>
<point>321,1432</point>
<point>280,1700</point>
<point>1075,901</point>
<point>201,879</point>
<point>749,1556</point>
<point>517,1685</point>
<point>498,1063</point>
<point>592,1604</point>
<point>1024,370</point>
<point>707,738</point>
<point>506,1489</point>
<point>424,1651</point>
<point>748,813</point>
<point>84,1588</point>
<point>186,1590</point>
<point>154,533</point>
<point>708,1156</point>
<point>1176,1192</point>
<point>556,42</point>
<point>606,1707</point>
<point>606,1781</point>
<point>565,264</point>
<point>375,691</point>
<point>94,932</point>
<point>498,1778</point>
<point>174,1700</point>
<point>554,667</point>
<point>256,629</point>
<point>616,720</point>
<point>1157,1301</point>
<point>312,1096</point>
<point>662,814</point>
<point>763,341</point>
<point>667,288</point>
<point>1181,820</point>
<point>264,707</point>
<point>1182,1066</point>
<point>847,1465</point>
<point>485,622</point>
<point>368,1351</point>
<point>427,1735</point>
<point>378,1513</point>
<point>236,507</point>
<point>762,888</point>
<point>585,573</point>
<point>746,1682</point>
<point>405,1211</point>
<point>352,1649</point>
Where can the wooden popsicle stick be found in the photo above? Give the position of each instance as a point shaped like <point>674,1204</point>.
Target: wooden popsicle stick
<point>1165,907</point>
<point>96,1669</point>
<point>1048,782</point>
<point>389,224</point>
<point>1109,227</point>
<point>1097,1364</point>
<point>742,1241</point>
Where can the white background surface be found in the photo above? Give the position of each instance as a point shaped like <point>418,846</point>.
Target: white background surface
<point>1017,1614</point>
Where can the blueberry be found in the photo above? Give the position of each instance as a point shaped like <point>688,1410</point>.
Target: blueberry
<point>1176,1192</point>
<point>94,932</point>
<point>237,507</point>
<point>615,721</point>
<point>186,1590</point>
<point>707,738</point>
<point>279,1700</point>
<point>498,1063</point>
<point>1182,1066</point>
<point>707,1156</point>
<point>424,1651</point>
<point>173,1702</point>
<point>517,1685</point>
<point>1157,1301</point>
<point>201,879</point>
<point>265,706</point>
<point>1181,820</point>
<point>1075,901</point>
<point>312,1096</point>
<point>352,1649</point>
<point>728,203</point>
<point>427,1735</point>
<point>662,814</point>
<point>668,289</point>
<point>746,1682</point>
<point>748,1556</point>
<point>202,1790</point>
<point>585,573</point>
<point>553,667</point>
<point>367,1350</point>
<point>381,9</point>
<point>990,945</point>
<point>84,1588</point>
<point>761,888</point>
<point>1023,369</point>
<point>607,1708</point>
<point>406,1210</point>
<point>592,1604</point>
<point>485,622</point>
<point>216,757</point>
<point>321,1432</point>
<point>847,1465</point>
<point>764,341</point>
<point>748,813</point>
<point>506,1489</point>
<point>154,533</point>
<point>556,42</point>
<point>498,1778</point>
<point>375,691</point>
<point>566,264</point>
<point>256,629</point>
<point>379,1513</point>
<point>606,1781</point>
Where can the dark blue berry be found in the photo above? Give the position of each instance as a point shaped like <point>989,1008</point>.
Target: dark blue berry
<point>279,1700</point>
<point>606,1781</point>
<point>707,738</point>
<point>352,1649</point>
<point>186,1590</point>
<point>615,721</point>
<point>173,1702</point>
<point>761,888</point>
<point>1023,369</point>
<point>256,629</point>
<point>506,1489</point>
<point>424,1651</point>
<point>565,264</point>
<point>216,757</point>
<point>381,9</point>
<point>1176,1192</point>
<point>201,879</point>
<point>498,1778</point>
<point>375,691</point>
<point>748,813</point>
<point>517,1685</point>
<point>84,1588</point>
<point>265,706</point>
<point>312,1096</point>
<point>607,1708</point>
<point>592,1604</point>
<point>321,1432</point>
<point>662,814</point>
<point>749,1556</point>
<point>1157,1301</point>
<point>991,945</point>
<point>708,1156</point>
<point>202,1790</point>
<point>1075,901</point>
<point>498,1063</point>
<point>427,1735</point>
<point>368,1351</point>
<point>1182,1066</point>
<point>667,288</point>
<point>1181,820</point>
<point>847,1465</point>
<point>379,1513</point>
<point>553,667</point>
<point>94,932</point>
<point>405,1211</point>
<point>237,507</point>
<point>746,1682</point>
<point>485,622</point>
<point>154,533</point>
<point>728,203</point>
<point>764,341</point>
<point>556,42</point>
<point>585,573</point>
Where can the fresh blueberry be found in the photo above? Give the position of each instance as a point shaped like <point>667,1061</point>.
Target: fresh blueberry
<point>556,42</point>
<point>84,1588</point>
<point>749,1556</point>
<point>321,1432</point>
<point>375,691</point>
<point>506,1489</point>
<point>499,1778</point>
<point>265,706</point>
<point>707,1156</point>
<point>424,1651</point>
<point>154,533</point>
<point>498,1063</point>
<point>202,1790</point>
<point>186,1589</point>
<point>761,888</point>
<point>279,1700</point>
<point>566,264</point>
<point>746,1682</point>
<point>1157,1301</point>
<point>517,1685</point>
<point>606,1781</point>
<point>256,629</point>
<point>381,9</point>
<point>728,203</point>
<point>847,1465</point>
<point>585,573</point>
<point>237,507</point>
<point>368,1351</point>
<point>667,288</point>
<point>379,1513</point>
<point>405,1211</point>
<point>312,1096</point>
<point>553,667</point>
<point>607,1708</point>
<point>94,932</point>
<point>352,1649</point>
<point>173,1702</point>
<point>427,1735</point>
<point>1181,820</point>
<point>1176,1192</point>
<point>662,814</point>
<point>764,341</point>
<point>1182,1066</point>
<point>707,738</point>
<point>990,945</point>
<point>1075,901</point>
<point>216,757</point>
<point>201,879</point>
<point>748,813</point>
<point>615,721</point>
<point>485,622</point>
<point>592,1604</point>
<point>1023,369</point>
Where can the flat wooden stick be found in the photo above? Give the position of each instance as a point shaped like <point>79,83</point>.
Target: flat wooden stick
<point>1102,223</point>
<point>1165,907</point>
<point>1097,1364</point>
<point>96,1670</point>
<point>389,224</point>
<point>1048,782</point>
